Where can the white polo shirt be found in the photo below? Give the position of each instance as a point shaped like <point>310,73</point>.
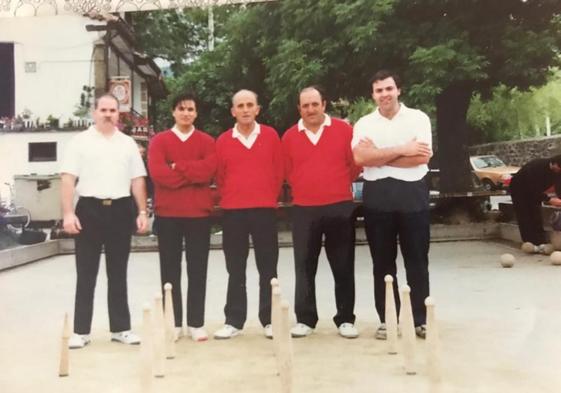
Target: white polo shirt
<point>314,137</point>
<point>104,166</point>
<point>402,128</point>
<point>251,138</point>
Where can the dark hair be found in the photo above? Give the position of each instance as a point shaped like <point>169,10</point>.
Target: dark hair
<point>317,88</point>
<point>105,95</point>
<point>556,160</point>
<point>183,97</point>
<point>385,74</point>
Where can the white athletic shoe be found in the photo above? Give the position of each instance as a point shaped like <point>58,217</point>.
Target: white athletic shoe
<point>126,337</point>
<point>178,332</point>
<point>348,330</point>
<point>381,332</point>
<point>268,330</point>
<point>301,330</point>
<point>77,341</point>
<point>197,334</point>
<point>226,332</point>
<point>545,249</point>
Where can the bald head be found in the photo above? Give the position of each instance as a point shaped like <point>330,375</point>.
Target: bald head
<point>244,93</point>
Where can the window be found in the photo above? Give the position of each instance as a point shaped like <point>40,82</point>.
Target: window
<point>7,80</point>
<point>42,151</point>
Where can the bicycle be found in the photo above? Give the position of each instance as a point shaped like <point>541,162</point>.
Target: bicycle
<point>15,218</point>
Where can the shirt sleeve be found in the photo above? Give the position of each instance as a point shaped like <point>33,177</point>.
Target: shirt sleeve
<point>137,165</point>
<point>358,133</point>
<point>70,161</point>
<point>424,133</point>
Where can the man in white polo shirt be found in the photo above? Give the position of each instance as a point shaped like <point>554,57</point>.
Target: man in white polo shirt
<point>394,145</point>
<point>102,166</point>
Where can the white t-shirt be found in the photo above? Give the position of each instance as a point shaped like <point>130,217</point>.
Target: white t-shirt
<point>104,166</point>
<point>402,128</point>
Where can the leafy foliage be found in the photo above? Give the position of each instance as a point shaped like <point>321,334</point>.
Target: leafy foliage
<point>446,50</point>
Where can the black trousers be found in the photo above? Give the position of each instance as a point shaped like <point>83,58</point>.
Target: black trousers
<point>309,225</point>
<point>527,208</point>
<point>237,225</point>
<point>172,232</point>
<point>383,228</point>
<point>107,226</point>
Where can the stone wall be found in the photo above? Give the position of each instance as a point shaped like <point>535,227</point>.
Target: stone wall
<point>521,151</point>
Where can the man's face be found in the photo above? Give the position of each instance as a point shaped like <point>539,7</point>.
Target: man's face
<point>106,115</point>
<point>385,93</point>
<point>245,108</point>
<point>311,108</point>
<point>555,168</point>
<point>185,114</point>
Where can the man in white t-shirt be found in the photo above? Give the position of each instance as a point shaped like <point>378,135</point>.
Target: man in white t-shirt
<point>393,144</point>
<point>102,166</point>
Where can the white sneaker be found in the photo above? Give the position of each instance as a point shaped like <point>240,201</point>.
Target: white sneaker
<point>197,334</point>
<point>545,249</point>
<point>268,330</point>
<point>226,332</point>
<point>77,341</point>
<point>348,330</point>
<point>301,330</point>
<point>126,337</point>
<point>178,332</point>
<point>381,332</point>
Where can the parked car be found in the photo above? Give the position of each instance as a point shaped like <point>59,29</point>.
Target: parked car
<point>492,171</point>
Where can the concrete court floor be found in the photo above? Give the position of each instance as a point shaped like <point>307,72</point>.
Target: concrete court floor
<point>500,331</point>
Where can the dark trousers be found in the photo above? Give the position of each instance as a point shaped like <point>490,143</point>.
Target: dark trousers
<point>172,232</point>
<point>108,226</point>
<point>528,214</point>
<point>309,225</point>
<point>237,225</point>
<point>383,228</point>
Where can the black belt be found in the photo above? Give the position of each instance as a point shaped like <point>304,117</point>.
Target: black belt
<point>106,201</point>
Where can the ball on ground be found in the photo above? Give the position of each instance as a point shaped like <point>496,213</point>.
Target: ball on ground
<point>507,260</point>
<point>555,258</point>
<point>528,247</point>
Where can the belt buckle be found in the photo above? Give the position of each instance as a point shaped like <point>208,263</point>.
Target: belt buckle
<point>107,202</point>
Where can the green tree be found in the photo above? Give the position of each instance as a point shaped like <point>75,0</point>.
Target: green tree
<point>446,50</point>
<point>511,114</point>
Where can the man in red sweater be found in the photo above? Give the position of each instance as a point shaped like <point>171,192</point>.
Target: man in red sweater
<point>249,179</point>
<point>182,164</point>
<point>320,169</point>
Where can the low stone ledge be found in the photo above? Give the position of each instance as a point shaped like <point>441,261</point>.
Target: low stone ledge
<point>21,255</point>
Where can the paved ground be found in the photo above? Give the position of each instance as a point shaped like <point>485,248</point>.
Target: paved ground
<point>500,331</point>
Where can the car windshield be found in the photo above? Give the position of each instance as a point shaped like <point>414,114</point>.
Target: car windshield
<point>488,162</point>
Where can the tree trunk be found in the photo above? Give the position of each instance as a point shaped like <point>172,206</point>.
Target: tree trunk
<point>453,156</point>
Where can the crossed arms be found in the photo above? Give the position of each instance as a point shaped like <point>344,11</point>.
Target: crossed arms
<point>408,155</point>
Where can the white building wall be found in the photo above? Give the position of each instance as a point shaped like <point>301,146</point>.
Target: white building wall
<point>62,50</point>
<point>14,155</point>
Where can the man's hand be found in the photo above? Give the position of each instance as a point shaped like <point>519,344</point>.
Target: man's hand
<point>555,201</point>
<point>141,223</point>
<point>416,148</point>
<point>366,143</point>
<point>71,224</point>
<point>172,165</point>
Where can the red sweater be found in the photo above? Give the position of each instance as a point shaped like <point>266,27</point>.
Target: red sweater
<point>320,174</point>
<point>249,178</point>
<point>185,190</point>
